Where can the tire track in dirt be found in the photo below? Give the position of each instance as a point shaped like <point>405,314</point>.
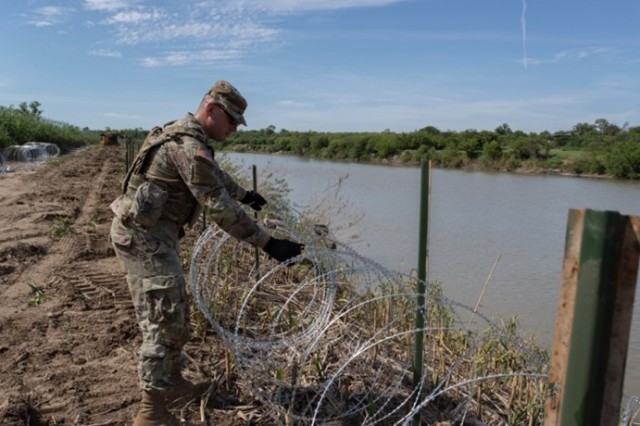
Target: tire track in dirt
<point>67,215</point>
<point>24,229</point>
<point>70,358</point>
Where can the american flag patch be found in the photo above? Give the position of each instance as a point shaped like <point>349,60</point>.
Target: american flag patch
<point>204,154</point>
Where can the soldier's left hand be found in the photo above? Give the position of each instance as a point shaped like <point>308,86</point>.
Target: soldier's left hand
<point>254,200</point>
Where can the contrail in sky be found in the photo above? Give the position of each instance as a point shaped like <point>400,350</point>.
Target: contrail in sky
<point>523,21</point>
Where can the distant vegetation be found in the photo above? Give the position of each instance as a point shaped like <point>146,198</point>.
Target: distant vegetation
<point>600,148</point>
<point>26,124</point>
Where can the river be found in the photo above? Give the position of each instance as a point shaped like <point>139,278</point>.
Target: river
<point>476,219</point>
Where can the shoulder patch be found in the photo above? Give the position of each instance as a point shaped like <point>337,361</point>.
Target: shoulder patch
<point>204,154</point>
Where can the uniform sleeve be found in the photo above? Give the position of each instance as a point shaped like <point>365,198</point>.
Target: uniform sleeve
<point>235,191</point>
<point>212,187</point>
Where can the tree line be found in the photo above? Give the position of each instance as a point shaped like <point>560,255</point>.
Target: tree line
<point>599,148</point>
<point>26,124</point>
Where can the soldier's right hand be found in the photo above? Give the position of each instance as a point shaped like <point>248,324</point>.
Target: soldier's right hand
<point>254,200</point>
<point>283,250</point>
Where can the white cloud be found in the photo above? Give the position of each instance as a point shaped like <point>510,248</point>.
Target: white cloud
<point>188,57</point>
<point>230,26</point>
<point>293,104</point>
<point>579,54</point>
<point>134,17</point>
<point>51,11</point>
<point>106,53</point>
<point>40,23</point>
<point>240,26</point>
<point>308,5</point>
<point>49,15</point>
<point>106,5</point>
<point>247,20</point>
<point>573,55</point>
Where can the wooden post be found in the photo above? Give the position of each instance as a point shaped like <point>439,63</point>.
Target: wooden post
<point>127,161</point>
<point>599,276</point>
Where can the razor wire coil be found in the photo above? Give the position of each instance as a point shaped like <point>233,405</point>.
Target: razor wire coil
<point>334,342</point>
<point>31,152</point>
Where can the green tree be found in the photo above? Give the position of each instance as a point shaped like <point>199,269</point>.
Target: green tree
<point>470,144</point>
<point>319,142</point>
<point>23,108</point>
<point>385,145</point>
<point>34,109</point>
<point>624,160</point>
<point>449,157</point>
<point>527,147</point>
<point>22,124</point>
<point>492,150</point>
<point>584,129</point>
<point>606,128</point>
<point>430,129</point>
<point>503,129</point>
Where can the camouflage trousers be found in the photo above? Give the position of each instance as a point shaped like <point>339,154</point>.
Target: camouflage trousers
<point>157,286</point>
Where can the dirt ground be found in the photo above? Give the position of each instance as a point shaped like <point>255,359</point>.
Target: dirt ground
<point>68,338</point>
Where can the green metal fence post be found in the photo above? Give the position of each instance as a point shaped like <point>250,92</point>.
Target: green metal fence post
<point>254,172</point>
<point>423,258</point>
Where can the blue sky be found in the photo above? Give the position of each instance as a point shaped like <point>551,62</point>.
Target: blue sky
<point>327,65</point>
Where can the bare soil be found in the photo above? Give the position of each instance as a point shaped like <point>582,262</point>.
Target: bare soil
<point>68,338</point>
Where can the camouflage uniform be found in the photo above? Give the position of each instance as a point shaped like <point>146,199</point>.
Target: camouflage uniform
<point>173,175</point>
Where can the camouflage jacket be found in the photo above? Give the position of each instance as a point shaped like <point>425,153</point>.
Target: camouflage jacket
<point>178,162</point>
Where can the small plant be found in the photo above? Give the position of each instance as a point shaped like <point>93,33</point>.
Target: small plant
<point>61,227</point>
<point>94,221</point>
<point>38,296</point>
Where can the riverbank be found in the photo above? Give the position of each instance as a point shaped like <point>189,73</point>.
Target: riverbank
<point>473,166</point>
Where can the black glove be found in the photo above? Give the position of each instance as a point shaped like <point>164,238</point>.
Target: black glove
<point>283,250</point>
<point>254,200</point>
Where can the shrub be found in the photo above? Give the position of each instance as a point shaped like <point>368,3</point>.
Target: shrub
<point>624,160</point>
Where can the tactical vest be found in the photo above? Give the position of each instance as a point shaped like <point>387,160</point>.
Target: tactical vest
<point>181,206</point>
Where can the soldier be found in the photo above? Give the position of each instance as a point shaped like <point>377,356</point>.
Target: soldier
<point>173,175</point>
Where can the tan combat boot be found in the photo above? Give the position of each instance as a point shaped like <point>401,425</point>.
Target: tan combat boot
<point>184,391</point>
<point>153,410</point>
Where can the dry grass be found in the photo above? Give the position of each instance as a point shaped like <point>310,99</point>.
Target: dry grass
<point>319,342</point>
<point>330,340</point>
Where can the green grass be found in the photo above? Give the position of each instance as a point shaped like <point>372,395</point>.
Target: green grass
<point>38,296</point>
<point>61,227</point>
<point>568,154</point>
